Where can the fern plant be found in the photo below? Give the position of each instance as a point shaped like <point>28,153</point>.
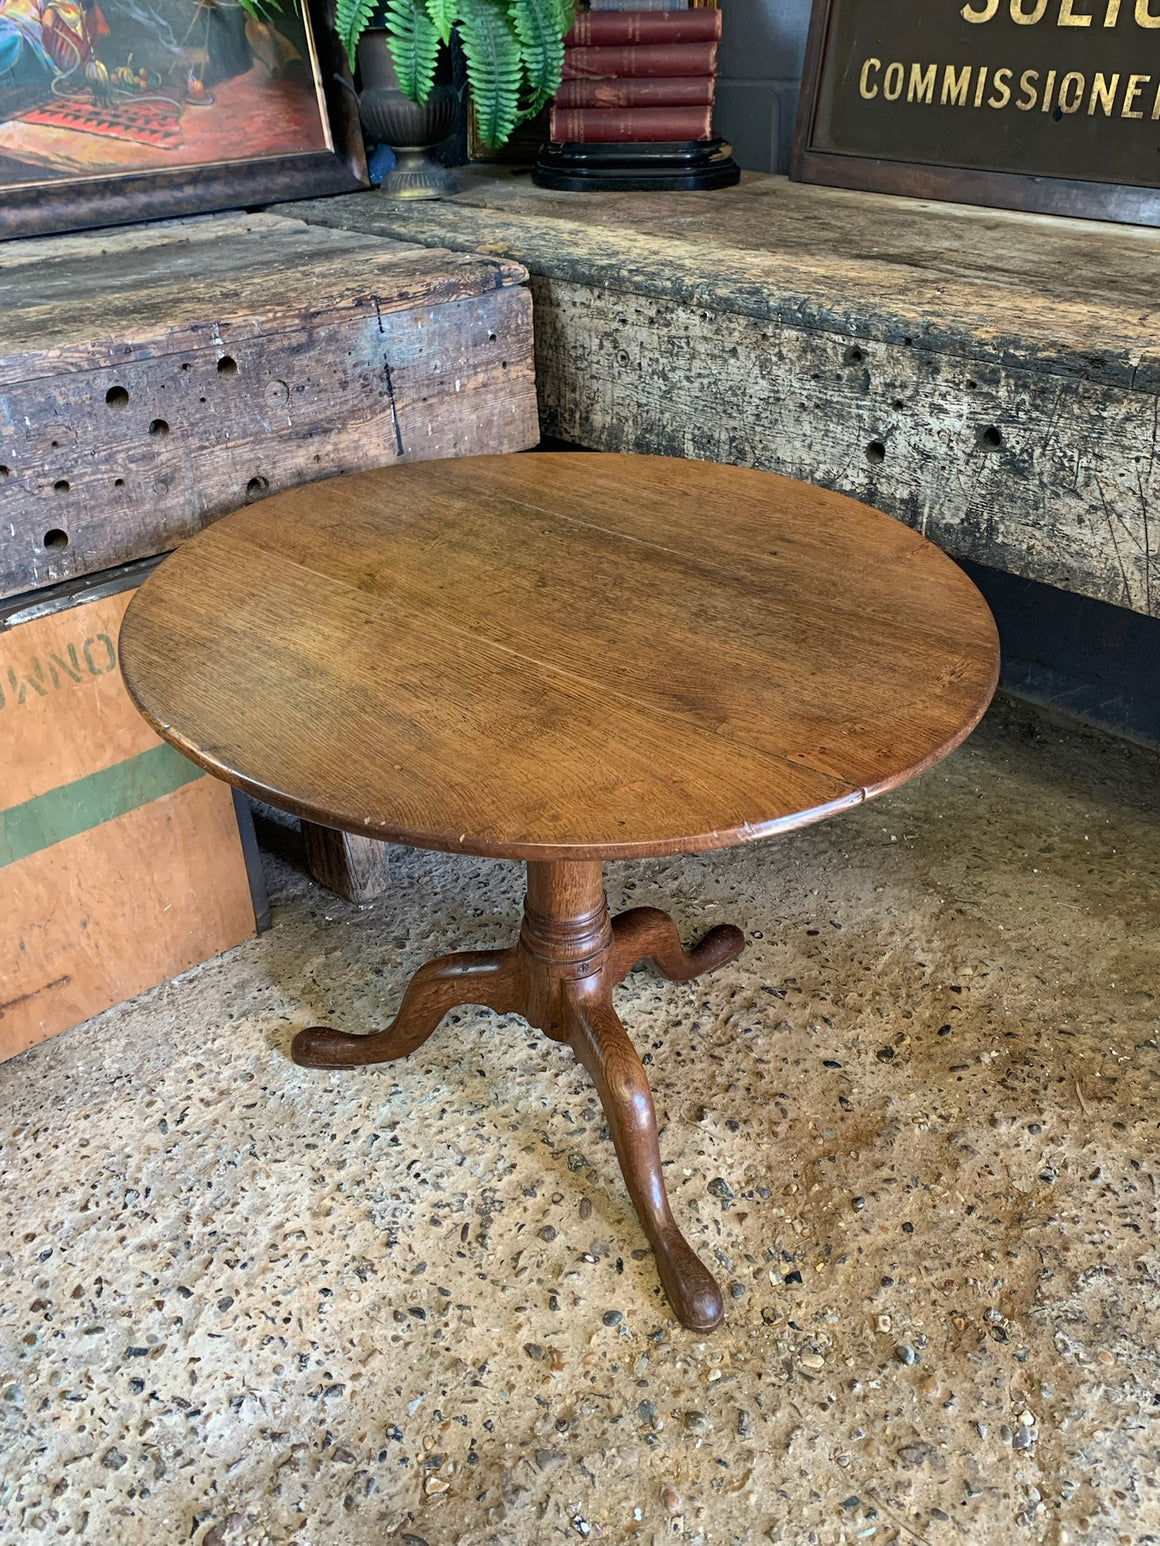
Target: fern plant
<point>514,50</point>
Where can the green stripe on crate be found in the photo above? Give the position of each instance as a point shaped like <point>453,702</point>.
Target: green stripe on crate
<point>90,801</point>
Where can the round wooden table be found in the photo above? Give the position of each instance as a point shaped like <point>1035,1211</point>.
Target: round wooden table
<point>562,659</point>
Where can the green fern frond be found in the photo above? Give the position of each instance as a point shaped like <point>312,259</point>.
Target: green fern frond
<point>537,25</point>
<point>532,104</point>
<point>259,10</point>
<point>565,15</point>
<point>351,18</point>
<point>492,51</point>
<point>414,45</point>
<point>442,14</point>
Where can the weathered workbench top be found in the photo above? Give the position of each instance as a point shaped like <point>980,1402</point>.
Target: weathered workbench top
<point>992,378</point>
<point>153,377</point>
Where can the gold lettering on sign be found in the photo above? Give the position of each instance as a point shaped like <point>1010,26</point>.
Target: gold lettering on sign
<point>968,13</point>
<point>1144,17</point>
<point>1020,16</point>
<point>1136,84</point>
<point>892,82</point>
<point>981,85</point>
<point>1156,106</point>
<point>1104,92</point>
<point>956,84</point>
<point>1072,18</point>
<point>921,88</point>
<point>1027,86</point>
<point>1002,84</point>
<point>1071,92</point>
<point>1048,92</point>
<point>1112,14</point>
<point>864,80</point>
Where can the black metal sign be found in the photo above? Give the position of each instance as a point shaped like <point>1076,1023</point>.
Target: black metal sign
<point>1051,105</point>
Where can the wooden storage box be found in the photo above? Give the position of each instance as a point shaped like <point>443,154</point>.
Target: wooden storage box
<point>154,377</point>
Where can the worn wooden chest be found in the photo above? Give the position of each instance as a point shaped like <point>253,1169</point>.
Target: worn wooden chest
<point>153,378</point>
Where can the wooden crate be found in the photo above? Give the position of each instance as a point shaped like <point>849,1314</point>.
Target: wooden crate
<point>121,864</point>
<point>154,377</point>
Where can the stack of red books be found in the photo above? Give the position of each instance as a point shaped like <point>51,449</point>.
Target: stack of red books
<point>638,77</point>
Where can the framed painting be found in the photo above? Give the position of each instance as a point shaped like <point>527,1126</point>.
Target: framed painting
<point>1045,105</point>
<point>122,110</point>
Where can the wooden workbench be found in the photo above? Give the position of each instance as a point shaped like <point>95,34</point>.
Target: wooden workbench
<point>991,378</point>
<point>154,377</point>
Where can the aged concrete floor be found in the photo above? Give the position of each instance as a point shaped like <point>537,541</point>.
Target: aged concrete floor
<point>915,1127</point>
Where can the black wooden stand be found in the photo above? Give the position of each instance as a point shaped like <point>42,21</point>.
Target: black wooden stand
<point>685,165</point>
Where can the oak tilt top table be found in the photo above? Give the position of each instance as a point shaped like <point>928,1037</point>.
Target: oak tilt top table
<point>562,658</point>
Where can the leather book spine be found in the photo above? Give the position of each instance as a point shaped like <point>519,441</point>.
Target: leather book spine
<point>609,126</point>
<point>602,29</point>
<point>641,60</point>
<point>662,91</point>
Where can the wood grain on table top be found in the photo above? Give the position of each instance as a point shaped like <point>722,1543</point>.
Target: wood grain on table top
<point>561,655</point>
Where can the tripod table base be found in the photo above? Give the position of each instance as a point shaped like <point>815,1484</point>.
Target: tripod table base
<point>560,976</point>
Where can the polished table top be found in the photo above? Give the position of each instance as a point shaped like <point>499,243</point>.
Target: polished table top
<point>561,656</point>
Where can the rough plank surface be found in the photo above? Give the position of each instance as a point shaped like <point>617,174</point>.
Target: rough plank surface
<point>154,378</point>
<point>991,378</point>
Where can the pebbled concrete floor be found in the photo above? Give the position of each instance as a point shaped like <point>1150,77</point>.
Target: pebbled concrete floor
<point>914,1126</point>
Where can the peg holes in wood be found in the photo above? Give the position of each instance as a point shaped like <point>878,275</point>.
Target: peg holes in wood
<point>118,483</point>
<point>256,487</point>
<point>56,539</point>
<point>5,472</point>
<point>185,365</point>
<point>60,486</point>
<point>227,365</point>
<point>491,338</point>
<point>990,438</point>
<point>898,403</point>
<point>117,397</point>
<point>854,355</point>
<point>159,429</point>
<point>876,452</point>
